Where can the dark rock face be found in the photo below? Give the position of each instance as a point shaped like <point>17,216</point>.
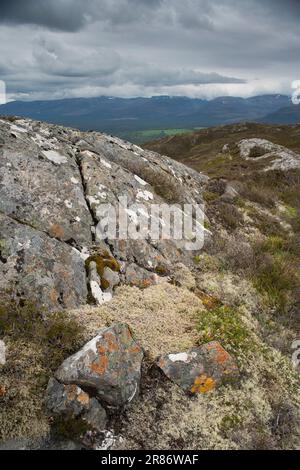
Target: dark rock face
<point>199,370</point>
<point>72,402</point>
<point>109,365</point>
<point>52,183</point>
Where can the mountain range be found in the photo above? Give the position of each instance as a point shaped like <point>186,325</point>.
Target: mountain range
<point>126,116</point>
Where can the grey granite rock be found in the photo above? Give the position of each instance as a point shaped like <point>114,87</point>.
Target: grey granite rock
<point>200,370</point>
<point>110,365</point>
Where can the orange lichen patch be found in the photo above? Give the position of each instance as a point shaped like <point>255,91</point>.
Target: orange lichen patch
<point>100,367</point>
<point>209,302</point>
<point>83,398</point>
<point>53,296</point>
<point>135,349</point>
<point>221,356</point>
<point>112,345</point>
<point>161,363</point>
<point>2,391</point>
<point>203,384</point>
<point>71,391</point>
<point>56,231</point>
<point>142,284</point>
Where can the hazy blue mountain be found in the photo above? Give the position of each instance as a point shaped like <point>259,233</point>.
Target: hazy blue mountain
<point>122,116</point>
<point>286,115</point>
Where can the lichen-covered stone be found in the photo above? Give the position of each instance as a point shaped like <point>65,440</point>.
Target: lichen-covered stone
<point>110,365</point>
<point>199,370</point>
<point>72,402</point>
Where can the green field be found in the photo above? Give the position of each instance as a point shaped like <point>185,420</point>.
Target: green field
<point>140,137</point>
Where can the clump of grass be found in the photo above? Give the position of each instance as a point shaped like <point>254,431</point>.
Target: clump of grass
<point>275,274</point>
<point>55,333</point>
<point>229,215</point>
<point>69,428</point>
<point>226,325</point>
<point>209,196</point>
<point>259,194</point>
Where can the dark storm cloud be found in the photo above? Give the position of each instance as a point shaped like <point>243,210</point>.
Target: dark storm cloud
<point>68,15</point>
<point>72,15</point>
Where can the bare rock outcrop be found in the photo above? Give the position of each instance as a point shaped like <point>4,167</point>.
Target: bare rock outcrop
<point>53,184</point>
<point>277,156</point>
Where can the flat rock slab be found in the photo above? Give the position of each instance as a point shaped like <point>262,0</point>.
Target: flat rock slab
<point>109,365</point>
<point>200,370</point>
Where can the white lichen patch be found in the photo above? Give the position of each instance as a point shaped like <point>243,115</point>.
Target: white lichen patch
<point>74,180</point>
<point>99,296</point>
<point>105,163</point>
<point>55,157</point>
<point>68,204</point>
<point>93,200</point>
<point>2,353</point>
<point>146,195</point>
<point>180,357</point>
<point>18,129</point>
<point>140,180</point>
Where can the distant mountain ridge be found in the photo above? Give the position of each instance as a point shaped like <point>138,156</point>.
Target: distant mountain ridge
<point>286,115</point>
<point>121,116</point>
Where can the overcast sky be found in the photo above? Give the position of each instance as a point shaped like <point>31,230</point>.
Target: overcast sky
<point>199,48</point>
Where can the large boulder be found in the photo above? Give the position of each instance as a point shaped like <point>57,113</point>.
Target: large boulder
<point>199,370</point>
<point>109,366</point>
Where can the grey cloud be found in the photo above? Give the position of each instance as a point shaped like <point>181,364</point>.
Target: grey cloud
<point>67,15</point>
<point>72,15</point>
<point>147,46</point>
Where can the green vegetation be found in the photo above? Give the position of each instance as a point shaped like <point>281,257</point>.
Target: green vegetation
<point>276,274</point>
<point>202,149</point>
<point>102,261</point>
<point>226,325</point>
<point>140,137</point>
<point>56,334</point>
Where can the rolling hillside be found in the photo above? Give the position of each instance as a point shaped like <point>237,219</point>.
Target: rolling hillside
<point>202,150</point>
